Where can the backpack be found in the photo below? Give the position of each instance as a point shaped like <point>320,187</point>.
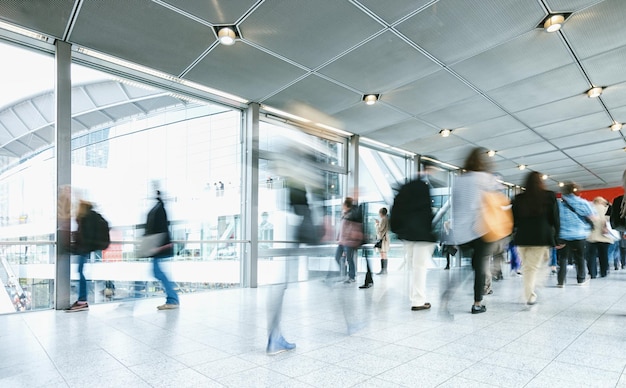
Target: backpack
<point>101,236</point>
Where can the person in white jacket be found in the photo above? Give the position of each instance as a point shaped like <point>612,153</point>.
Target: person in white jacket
<point>599,240</point>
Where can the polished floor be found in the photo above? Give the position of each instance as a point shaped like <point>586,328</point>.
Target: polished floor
<point>346,337</point>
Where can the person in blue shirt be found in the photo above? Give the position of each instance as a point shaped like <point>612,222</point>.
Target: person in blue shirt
<point>576,216</point>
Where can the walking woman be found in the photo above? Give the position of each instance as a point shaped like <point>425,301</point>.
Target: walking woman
<point>467,194</point>
<point>536,224</point>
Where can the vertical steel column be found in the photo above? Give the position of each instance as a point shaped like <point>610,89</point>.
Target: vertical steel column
<point>63,137</point>
<point>251,144</point>
<point>353,166</point>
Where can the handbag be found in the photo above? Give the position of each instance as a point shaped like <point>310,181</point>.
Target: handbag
<point>496,216</point>
<point>379,243</point>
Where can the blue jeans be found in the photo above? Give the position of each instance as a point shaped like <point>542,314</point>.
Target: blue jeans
<point>171,295</point>
<point>349,256</point>
<point>82,282</point>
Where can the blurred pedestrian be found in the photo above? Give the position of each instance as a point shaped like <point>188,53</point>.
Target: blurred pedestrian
<point>348,239</point>
<point>599,240</point>
<point>382,233</point>
<point>411,220</point>
<point>467,193</point>
<point>447,243</point>
<point>82,247</point>
<point>536,226</point>
<point>157,228</point>
<point>576,216</point>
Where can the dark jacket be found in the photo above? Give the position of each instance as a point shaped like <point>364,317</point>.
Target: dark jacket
<point>157,223</point>
<point>411,214</point>
<point>85,234</point>
<point>617,222</point>
<point>536,224</point>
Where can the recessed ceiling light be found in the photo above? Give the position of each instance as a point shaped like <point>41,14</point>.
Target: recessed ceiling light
<point>522,166</point>
<point>553,23</point>
<point>227,35</point>
<point>544,177</point>
<point>616,126</point>
<point>491,153</point>
<point>594,92</point>
<point>561,184</point>
<point>445,132</point>
<point>370,99</point>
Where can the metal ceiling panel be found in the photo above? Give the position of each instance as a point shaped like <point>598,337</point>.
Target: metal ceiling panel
<point>380,65</point>
<point>588,30</point>
<point>215,12</point>
<point>105,93</point>
<point>244,71</point>
<point>532,53</point>
<point>598,150</point>
<point>476,132</point>
<point>455,30</point>
<point>553,112</point>
<point>555,159</point>
<point>607,69</point>
<point>367,118</point>
<point>519,138</point>
<point>12,122</point>
<point>586,138</point>
<point>619,114</point>
<point>614,98</point>
<point>45,106</point>
<point>569,5</point>
<point>518,153</point>
<point>429,93</point>
<point>308,32</point>
<point>44,16</point>
<point>137,31</point>
<point>573,126</point>
<point>27,113</point>
<point>313,91</point>
<point>403,132</point>
<point>81,101</point>
<point>556,84</point>
<point>395,10</point>
<point>463,113</point>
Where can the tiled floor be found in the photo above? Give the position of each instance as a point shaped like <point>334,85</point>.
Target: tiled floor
<point>346,337</point>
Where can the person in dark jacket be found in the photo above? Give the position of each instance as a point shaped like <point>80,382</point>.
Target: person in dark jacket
<point>536,224</point>
<point>83,246</point>
<point>157,224</point>
<point>411,221</point>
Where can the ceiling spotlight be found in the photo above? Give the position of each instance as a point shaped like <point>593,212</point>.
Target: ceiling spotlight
<point>227,35</point>
<point>616,126</point>
<point>522,167</point>
<point>594,92</point>
<point>445,132</point>
<point>544,177</point>
<point>370,99</point>
<point>553,23</point>
<point>491,153</point>
<point>561,184</point>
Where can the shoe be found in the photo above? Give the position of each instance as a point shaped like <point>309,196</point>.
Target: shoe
<point>559,285</point>
<point>586,281</point>
<point>425,306</point>
<point>368,285</point>
<point>167,306</point>
<point>350,281</point>
<point>278,345</point>
<point>532,300</point>
<point>488,292</point>
<point>447,268</point>
<point>382,272</point>
<point>478,309</point>
<point>77,306</point>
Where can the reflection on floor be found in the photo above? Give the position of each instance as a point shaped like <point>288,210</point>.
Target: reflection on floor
<point>346,337</point>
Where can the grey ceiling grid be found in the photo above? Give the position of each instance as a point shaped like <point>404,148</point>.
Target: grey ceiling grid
<point>479,68</point>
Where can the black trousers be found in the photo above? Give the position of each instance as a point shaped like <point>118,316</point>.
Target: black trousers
<point>479,256</point>
<point>598,250</point>
<point>576,250</point>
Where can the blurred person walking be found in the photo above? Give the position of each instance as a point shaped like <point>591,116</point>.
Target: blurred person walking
<point>350,237</point>
<point>157,230</point>
<point>382,233</point>
<point>599,240</point>
<point>536,227</point>
<point>576,216</point>
<point>618,220</point>
<point>467,196</point>
<point>411,220</point>
<point>447,243</point>
<point>82,247</point>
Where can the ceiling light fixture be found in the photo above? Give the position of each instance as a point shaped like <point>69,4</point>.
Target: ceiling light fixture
<point>522,167</point>
<point>227,35</point>
<point>553,23</point>
<point>594,92</point>
<point>491,153</point>
<point>445,132</point>
<point>370,99</point>
<point>561,184</point>
<point>544,177</point>
<point>616,126</point>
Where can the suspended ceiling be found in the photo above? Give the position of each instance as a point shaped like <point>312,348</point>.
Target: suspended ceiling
<point>480,68</point>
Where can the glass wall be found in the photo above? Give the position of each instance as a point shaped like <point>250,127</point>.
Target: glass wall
<point>27,169</point>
